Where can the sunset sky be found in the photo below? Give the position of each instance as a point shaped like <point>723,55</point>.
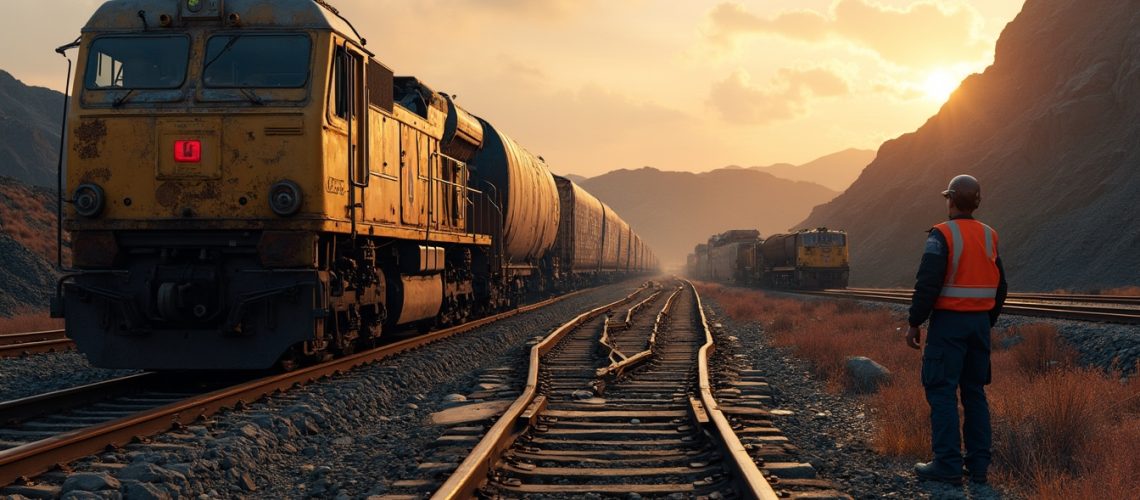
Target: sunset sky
<point>598,85</point>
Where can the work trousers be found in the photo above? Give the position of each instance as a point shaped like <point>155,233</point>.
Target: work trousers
<point>957,358</point>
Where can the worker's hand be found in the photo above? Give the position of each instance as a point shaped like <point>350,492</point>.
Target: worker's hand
<point>914,337</point>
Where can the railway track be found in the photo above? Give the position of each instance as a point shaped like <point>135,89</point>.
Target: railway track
<point>1074,307</point>
<point>42,433</point>
<point>21,344</point>
<point>619,404</point>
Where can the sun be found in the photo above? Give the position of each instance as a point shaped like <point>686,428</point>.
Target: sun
<point>939,86</point>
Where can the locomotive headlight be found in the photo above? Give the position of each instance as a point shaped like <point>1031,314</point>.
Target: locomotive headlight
<point>285,198</point>
<point>89,200</point>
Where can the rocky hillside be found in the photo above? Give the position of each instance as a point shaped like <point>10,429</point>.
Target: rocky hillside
<point>674,211</point>
<point>27,247</point>
<point>835,171</point>
<point>1051,131</point>
<point>29,131</point>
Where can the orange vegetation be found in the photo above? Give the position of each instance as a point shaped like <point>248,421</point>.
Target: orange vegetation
<point>26,321</point>
<point>1060,430</point>
<point>27,215</point>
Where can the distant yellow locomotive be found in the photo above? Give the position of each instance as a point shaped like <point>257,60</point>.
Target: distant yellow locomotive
<point>807,259</point>
<point>249,184</point>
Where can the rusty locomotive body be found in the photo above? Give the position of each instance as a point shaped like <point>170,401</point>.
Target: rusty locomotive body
<point>248,184</point>
<point>807,259</point>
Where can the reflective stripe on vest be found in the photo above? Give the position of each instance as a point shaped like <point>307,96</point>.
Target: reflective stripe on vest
<point>968,293</point>
<point>972,276</point>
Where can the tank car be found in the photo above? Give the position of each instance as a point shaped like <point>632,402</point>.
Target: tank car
<point>248,184</point>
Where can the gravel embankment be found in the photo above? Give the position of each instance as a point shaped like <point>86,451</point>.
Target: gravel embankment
<point>39,373</point>
<point>832,431</point>
<point>347,437</point>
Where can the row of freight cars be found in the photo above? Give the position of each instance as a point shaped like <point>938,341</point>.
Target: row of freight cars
<point>808,259</point>
<point>593,239</point>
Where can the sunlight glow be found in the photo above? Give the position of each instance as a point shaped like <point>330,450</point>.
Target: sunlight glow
<point>940,85</point>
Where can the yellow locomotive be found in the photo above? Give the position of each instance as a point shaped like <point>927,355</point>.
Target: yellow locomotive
<point>248,183</point>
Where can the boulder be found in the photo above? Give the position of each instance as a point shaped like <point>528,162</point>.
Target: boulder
<point>865,375</point>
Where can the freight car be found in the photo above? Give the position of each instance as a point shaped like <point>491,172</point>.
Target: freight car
<point>807,259</point>
<point>249,185</point>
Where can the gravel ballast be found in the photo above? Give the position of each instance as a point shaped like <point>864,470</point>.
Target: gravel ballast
<point>347,437</point>
<point>39,373</point>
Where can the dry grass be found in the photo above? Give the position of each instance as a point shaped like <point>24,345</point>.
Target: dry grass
<point>1060,430</point>
<point>27,215</point>
<point>29,321</point>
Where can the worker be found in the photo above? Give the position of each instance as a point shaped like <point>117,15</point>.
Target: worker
<point>960,287</point>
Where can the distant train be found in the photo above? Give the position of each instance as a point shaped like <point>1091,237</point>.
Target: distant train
<point>808,259</point>
<point>249,184</point>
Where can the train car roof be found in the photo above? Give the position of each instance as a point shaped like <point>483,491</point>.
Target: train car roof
<point>123,15</point>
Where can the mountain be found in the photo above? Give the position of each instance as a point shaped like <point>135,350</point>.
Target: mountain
<point>1051,131</point>
<point>835,171</point>
<point>29,131</point>
<point>27,246</point>
<point>673,211</point>
<point>578,179</point>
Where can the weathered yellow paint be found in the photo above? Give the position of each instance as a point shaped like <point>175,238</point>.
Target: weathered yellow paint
<point>246,148</point>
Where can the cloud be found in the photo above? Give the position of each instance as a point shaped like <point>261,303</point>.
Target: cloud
<point>787,96</point>
<point>926,33</point>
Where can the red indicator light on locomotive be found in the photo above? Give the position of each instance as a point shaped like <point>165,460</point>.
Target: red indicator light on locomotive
<point>188,151</point>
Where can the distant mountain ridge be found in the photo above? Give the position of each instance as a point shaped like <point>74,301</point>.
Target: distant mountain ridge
<point>1049,129</point>
<point>673,211</point>
<point>835,171</point>
<point>29,131</point>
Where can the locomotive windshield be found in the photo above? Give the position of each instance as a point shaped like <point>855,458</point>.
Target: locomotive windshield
<point>257,61</point>
<point>137,62</point>
<point>823,239</point>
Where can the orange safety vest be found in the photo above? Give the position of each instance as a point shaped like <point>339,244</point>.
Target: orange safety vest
<point>972,275</point>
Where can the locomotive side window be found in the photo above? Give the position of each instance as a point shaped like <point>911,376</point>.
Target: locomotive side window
<point>137,62</point>
<point>257,61</point>
<point>339,90</point>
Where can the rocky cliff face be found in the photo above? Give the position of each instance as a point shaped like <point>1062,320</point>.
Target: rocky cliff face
<point>29,131</point>
<point>673,211</point>
<point>27,247</point>
<point>1051,129</point>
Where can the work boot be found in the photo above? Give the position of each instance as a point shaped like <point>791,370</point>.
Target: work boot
<point>976,477</point>
<point>930,471</point>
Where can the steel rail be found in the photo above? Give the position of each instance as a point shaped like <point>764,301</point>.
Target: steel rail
<point>19,410</point>
<point>616,368</point>
<point>472,472</point>
<point>41,456</point>
<point>1076,312</point>
<point>22,338</point>
<point>1039,296</point>
<point>750,480</point>
<point>44,346</point>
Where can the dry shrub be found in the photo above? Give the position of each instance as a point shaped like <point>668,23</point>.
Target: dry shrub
<point>29,321</point>
<point>1060,431</point>
<point>1040,349</point>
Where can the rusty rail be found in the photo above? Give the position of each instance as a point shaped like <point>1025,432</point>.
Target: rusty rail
<point>750,480</point>
<point>616,368</point>
<point>1013,305</point>
<point>21,344</point>
<point>41,456</point>
<point>472,472</point>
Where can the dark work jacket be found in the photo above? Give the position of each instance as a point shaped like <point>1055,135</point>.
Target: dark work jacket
<point>932,274</point>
